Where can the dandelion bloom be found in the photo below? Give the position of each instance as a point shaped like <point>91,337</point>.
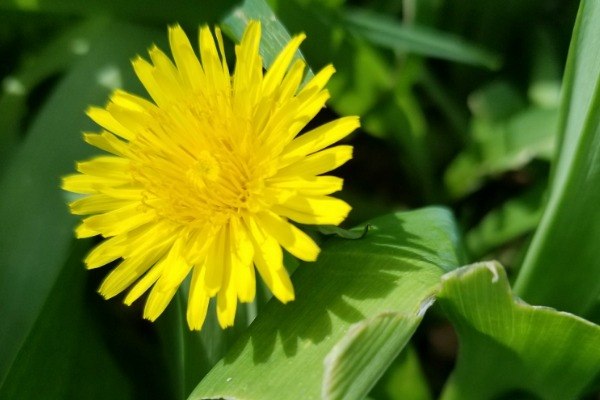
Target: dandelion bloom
<point>206,177</point>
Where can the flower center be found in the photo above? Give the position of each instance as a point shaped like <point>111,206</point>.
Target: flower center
<point>204,171</point>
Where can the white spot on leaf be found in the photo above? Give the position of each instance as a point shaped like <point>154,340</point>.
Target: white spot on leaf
<point>12,85</point>
<point>109,77</point>
<point>80,46</point>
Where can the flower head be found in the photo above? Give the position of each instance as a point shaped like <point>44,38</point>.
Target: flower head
<point>206,178</point>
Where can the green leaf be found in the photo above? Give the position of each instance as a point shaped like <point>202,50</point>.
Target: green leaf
<point>546,70</point>
<point>512,219</point>
<point>37,235</point>
<point>358,291</point>
<point>496,101</point>
<point>404,379</point>
<point>189,355</point>
<point>562,265</point>
<point>502,146</point>
<point>508,347</point>
<point>274,35</point>
<point>386,32</point>
<point>344,233</point>
<point>79,349</point>
<point>349,371</point>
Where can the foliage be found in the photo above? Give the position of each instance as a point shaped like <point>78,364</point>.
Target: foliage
<point>462,103</point>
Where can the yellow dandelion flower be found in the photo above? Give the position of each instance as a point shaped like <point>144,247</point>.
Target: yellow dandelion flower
<point>206,178</point>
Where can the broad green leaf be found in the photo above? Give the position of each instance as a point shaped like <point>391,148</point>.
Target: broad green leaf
<point>512,219</point>
<point>381,283</point>
<point>37,230</point>
<point>508,347</point>
<point>349,371</point>
<point>562,265</point>
<point>78,349</point>
<point>384,31</point>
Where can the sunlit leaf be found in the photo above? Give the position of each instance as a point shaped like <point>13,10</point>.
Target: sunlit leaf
<point>359,291</point>
<point>509,347</point>
<point>274,35</point>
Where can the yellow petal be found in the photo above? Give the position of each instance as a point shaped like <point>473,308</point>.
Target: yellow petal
<point>144,284</point>
<point>144,238</point>
<point>216,80</point>
<point>197,300</point>
<point>306,109</point>
<point>115,169</point>
<point>176,266</point>
<point>120,221</point>
<point>87,184</point>
<point>311,186</point>
<point>107,251</point>
<point>82,231</point>
<point>279,67</point>
<point>131,102</point>
<point>106,120</point>
<point>108,142</point>
<point>227,296</point>
<point>268,259</point>
<point>133,120</point>
<point>248,75</point>
<point>157,302</point>
<point>214,263</point>
<point>242,252</point>
<point>318,163</point>
<point>318,138</point>
<point>129,270</point>
<point>291,238</point>
<point>145,72</point>
<point>289,85</point>
<point>319,81</point>
<point>166,75</point>
<point>185,58</point>
<point>97,203</point>
<point>219,37</point>
<point>322,210</point>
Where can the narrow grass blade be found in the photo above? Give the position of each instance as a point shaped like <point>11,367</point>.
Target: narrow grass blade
<point>387,32</point>
<point>274,35</point>
<point>562,265</point>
